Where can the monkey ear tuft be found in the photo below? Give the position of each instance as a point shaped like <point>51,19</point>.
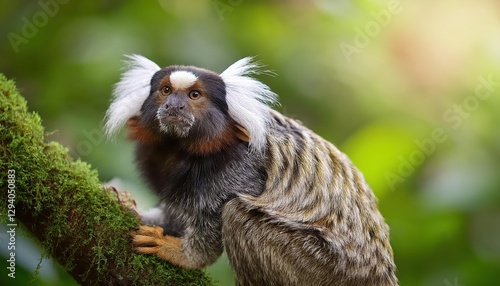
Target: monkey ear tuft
<point>248,100</point>
<point>130,92</point>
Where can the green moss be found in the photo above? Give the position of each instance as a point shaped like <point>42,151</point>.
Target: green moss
<point>67,209</point>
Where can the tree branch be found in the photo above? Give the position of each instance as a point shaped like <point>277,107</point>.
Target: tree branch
<point>64,206</point>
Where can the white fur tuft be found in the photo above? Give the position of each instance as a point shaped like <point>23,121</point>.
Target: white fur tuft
<point>182,79</point>
<point>248,100</point>
<point>130,92</point>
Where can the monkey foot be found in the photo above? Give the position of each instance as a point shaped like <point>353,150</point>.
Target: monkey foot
<point>150,240</point>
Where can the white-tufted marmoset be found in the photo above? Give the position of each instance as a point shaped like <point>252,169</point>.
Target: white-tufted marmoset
<point>231,173</point>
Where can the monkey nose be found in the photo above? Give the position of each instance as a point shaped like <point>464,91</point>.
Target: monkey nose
<point>175,102</point>
<point>174,107</point>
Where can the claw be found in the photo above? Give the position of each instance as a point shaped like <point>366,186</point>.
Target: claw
<point>126,199</point>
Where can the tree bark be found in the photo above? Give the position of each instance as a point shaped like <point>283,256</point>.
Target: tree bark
<point>63,205</point>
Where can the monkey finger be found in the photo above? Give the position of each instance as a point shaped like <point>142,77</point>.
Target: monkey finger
<point>125,198</point>
<point>147,236</point>
<point>142,240</point>
<point>147,250</point>
<point>150,230</point>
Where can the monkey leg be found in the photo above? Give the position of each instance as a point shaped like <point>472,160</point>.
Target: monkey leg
<point>150,240</point>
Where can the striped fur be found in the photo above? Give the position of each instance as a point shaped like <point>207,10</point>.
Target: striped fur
<point>316,210</point>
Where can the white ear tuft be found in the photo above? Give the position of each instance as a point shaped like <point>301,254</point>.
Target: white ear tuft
<point>130,92</point>
<point>248,100</point>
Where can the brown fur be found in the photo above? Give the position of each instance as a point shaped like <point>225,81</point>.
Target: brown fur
<point>137,132</point>
<point>205,147</point>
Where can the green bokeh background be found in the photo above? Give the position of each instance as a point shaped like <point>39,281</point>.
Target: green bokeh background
<point>410,90</point>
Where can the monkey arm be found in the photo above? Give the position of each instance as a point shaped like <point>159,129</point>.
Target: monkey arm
<point>189,244</point>
<point>151,239</point>
<point>191,251</point>
<point>166,218</point>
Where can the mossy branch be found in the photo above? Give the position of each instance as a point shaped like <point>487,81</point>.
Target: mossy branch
<point>62,203</point>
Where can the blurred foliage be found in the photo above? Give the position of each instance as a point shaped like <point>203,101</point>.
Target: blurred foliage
<point>410,90</point>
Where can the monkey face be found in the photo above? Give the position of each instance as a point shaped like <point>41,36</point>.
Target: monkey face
<point>175,113</point>
<point>186,102</point>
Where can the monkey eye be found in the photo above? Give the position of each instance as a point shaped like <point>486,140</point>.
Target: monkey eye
<point>194,94</point>
<point>166,90</point>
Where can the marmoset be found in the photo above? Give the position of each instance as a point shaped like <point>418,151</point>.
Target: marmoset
<point>231,173</point>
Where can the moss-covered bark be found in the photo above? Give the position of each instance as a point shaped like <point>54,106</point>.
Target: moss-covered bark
<point>63,204</point>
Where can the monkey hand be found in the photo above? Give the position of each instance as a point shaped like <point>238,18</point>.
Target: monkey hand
<point>151,240</point>
<point>126,199</point>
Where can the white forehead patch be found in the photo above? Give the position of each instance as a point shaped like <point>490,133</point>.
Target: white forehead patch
<point>182,79</point>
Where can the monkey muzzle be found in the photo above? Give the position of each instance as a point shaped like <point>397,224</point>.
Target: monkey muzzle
<point>175,120</point>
